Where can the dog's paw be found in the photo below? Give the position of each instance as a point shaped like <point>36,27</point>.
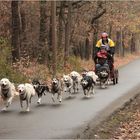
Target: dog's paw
<point>4,109</point>
<point>53,100</point>
<point>38,102</point>
<point>70,95</point>
<point>27,110</point>
<point>60,100</point>
<point>93,92</point>
<point>88,96</point>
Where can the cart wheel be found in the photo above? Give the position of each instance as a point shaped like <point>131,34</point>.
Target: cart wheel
<point>114,81</point>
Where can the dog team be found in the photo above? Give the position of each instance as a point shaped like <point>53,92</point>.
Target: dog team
<point>68,83</point>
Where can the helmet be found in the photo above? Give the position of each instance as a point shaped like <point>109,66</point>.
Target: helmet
<point>104,34</point>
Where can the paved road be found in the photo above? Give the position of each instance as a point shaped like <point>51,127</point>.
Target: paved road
<point>62,120</point>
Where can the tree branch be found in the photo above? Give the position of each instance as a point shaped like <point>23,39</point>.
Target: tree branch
<point>98,16</point>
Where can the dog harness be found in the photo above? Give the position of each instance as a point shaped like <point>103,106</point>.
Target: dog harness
<point>5,92</point>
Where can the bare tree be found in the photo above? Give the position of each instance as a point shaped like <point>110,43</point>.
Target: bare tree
<point>67,33</point>
<point>100,11</point>
<point>15,40</point>
<point>54,42</point>
<point>42,48</point>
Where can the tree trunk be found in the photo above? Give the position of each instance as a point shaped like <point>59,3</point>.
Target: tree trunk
<point>100,11</point>
<point>95,37</point>
<point>42,49</point>
<point>87,49</point>
<point>110,30</point>
<point>54,41</point>
<point>67,34</point>
<point>118,43</point>
<point>132,44</point>
<point>15,39</point>
<point>60,31</point>
<point>24,48</point>
<point>121,44</point>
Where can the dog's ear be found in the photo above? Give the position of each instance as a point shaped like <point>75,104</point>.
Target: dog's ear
<point>57,78</point>
<point>52,78</point>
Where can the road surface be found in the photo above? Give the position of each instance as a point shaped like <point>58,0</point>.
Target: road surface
<point>69,119</point>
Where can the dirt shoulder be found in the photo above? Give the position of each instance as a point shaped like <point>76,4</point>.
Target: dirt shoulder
<point>123,124</point>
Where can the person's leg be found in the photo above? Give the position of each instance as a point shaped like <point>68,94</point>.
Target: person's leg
<point>106,66</point>
<point>97,67</point>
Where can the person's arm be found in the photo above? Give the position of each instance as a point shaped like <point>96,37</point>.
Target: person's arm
<point>112,47</point>
<point>110,57</point>
<point>97,49</point>
<point>111,43</point>
<point>98,46</point>
<point>112,50</point>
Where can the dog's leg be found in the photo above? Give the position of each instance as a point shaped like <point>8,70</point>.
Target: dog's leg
<point>9,102</point>
<point>21,104</point>
<point>28,105</point>
<point>93,91</point>
<point>39,100</point>
<point>77,86</point>
<point>74,88</point>
<point>88,92</point>
<point>53,97</point>
<point>70,92</point>
<point>5,108</point>
<point>85,92</point>
<point>108,81</point>
<point>103,85</point>
<point>60,97</point>
<point>93,87</point>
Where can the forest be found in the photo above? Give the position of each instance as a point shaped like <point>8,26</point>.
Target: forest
<point>43,38</point>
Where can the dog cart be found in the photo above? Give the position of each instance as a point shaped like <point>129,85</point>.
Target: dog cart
<point>114,73</point>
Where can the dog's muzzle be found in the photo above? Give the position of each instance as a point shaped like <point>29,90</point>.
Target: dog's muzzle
<point>104,74</point>
<point>74,78</point>
<point>21,92</point>
<point>83,84</point>
<point>3,85</point>
<point>54,83</point>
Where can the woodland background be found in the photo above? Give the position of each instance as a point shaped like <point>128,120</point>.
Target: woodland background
<point>42,38</point>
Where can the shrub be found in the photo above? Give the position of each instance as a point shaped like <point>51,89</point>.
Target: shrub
<point>6,69</point>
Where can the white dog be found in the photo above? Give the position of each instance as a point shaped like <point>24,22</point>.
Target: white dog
<point>67,83</point>
<point>7,92</point>
<point>76,77</point>
<point>26,92</point>
<point>92,74</point>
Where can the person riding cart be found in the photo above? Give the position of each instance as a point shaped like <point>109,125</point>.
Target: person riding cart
<point>105,41</point>
<point>103,59</point>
